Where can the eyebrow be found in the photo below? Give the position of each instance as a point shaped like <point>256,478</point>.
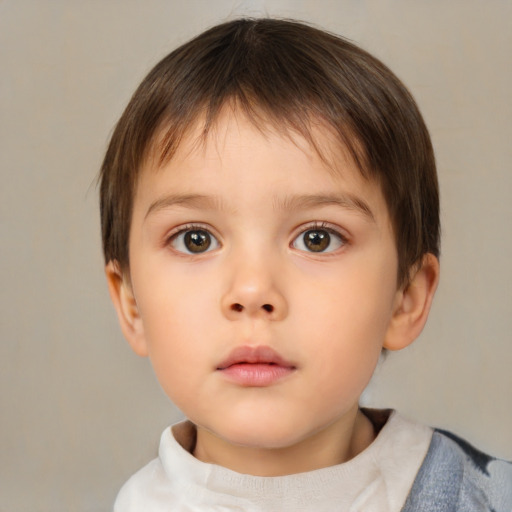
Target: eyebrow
<point>347,201</point>
<point>186,201</point>
<point>298,202</point>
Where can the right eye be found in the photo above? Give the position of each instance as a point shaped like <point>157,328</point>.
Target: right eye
<point>194,241</point>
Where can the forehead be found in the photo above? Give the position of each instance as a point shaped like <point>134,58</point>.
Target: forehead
<point>240,167</point>
<point>201,138</point>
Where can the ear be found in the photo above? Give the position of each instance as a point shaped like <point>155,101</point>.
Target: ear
<point>122,296</point>
<point>412,305</point>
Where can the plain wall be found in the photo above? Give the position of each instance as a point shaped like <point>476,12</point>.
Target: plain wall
<point>79,412</point>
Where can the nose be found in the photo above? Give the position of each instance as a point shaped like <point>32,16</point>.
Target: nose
<point>253,291</point>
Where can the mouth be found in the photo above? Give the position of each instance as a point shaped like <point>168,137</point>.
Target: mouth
<point>255,366</point>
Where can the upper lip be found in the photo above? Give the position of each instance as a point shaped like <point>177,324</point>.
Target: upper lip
<point>261,354</point>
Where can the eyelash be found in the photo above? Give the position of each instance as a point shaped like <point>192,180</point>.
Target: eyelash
<point>188,228</point>
<point>315,226</point>
<point>321,226</point>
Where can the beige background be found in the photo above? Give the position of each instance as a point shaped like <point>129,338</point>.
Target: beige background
<point>79,412</point>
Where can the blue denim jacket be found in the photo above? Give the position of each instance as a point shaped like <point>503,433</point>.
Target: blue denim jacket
<point>455,477</point>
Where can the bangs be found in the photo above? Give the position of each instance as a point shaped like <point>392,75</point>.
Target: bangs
<point>324,139</point>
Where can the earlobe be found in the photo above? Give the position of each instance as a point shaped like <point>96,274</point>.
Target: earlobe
<point>121,294</point>
<point>412,305</point>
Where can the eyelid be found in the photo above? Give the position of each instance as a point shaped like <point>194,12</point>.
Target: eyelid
<point>321,226</point>
<point>192,226</point>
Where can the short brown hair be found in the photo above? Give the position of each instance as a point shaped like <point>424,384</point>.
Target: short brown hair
<point>291,75</point>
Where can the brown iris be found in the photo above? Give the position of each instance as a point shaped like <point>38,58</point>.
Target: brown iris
<point>317,240</point>
<point>197,240</point>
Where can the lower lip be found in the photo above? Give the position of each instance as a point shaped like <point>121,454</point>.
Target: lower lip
<point>257,374</point>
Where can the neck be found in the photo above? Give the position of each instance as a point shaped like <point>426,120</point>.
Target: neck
<point>335,444</point>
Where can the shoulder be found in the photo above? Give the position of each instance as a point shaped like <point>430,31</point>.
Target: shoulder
<point>167,480</point>
<point>456,476</point>
<point>137,491</point>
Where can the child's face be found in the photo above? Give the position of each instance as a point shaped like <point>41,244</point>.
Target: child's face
<point>253,242</point>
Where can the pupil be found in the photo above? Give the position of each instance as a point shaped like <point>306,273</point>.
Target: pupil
<point>317,241</point>
<point>197,241</point>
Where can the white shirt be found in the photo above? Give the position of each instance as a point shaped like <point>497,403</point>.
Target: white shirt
<point>378,479</point>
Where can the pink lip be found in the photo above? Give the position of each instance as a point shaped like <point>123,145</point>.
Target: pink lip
<point>255,366</point>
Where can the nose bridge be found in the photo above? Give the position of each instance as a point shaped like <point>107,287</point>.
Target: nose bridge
<point>254,284</point>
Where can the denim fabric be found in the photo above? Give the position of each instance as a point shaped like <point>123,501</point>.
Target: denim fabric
<point>455,477</point>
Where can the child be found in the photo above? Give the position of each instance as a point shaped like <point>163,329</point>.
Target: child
<point>270,223</point>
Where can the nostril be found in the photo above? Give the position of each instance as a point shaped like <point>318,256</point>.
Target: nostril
<point>237,307</point>
<point>268,308</point>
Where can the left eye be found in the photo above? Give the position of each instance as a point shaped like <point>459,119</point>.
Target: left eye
<point>318,240</point>
<point>194,241</point>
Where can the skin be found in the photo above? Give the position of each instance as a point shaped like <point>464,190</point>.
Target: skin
<point>330,313</point>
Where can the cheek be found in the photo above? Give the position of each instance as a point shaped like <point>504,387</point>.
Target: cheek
<point>354,307</point>
<point>340,366</point>
<point>344,328</point>
<point>177,321</point>
<point>344,357</point>
<point>177,330</point>
<point>174,298</point>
